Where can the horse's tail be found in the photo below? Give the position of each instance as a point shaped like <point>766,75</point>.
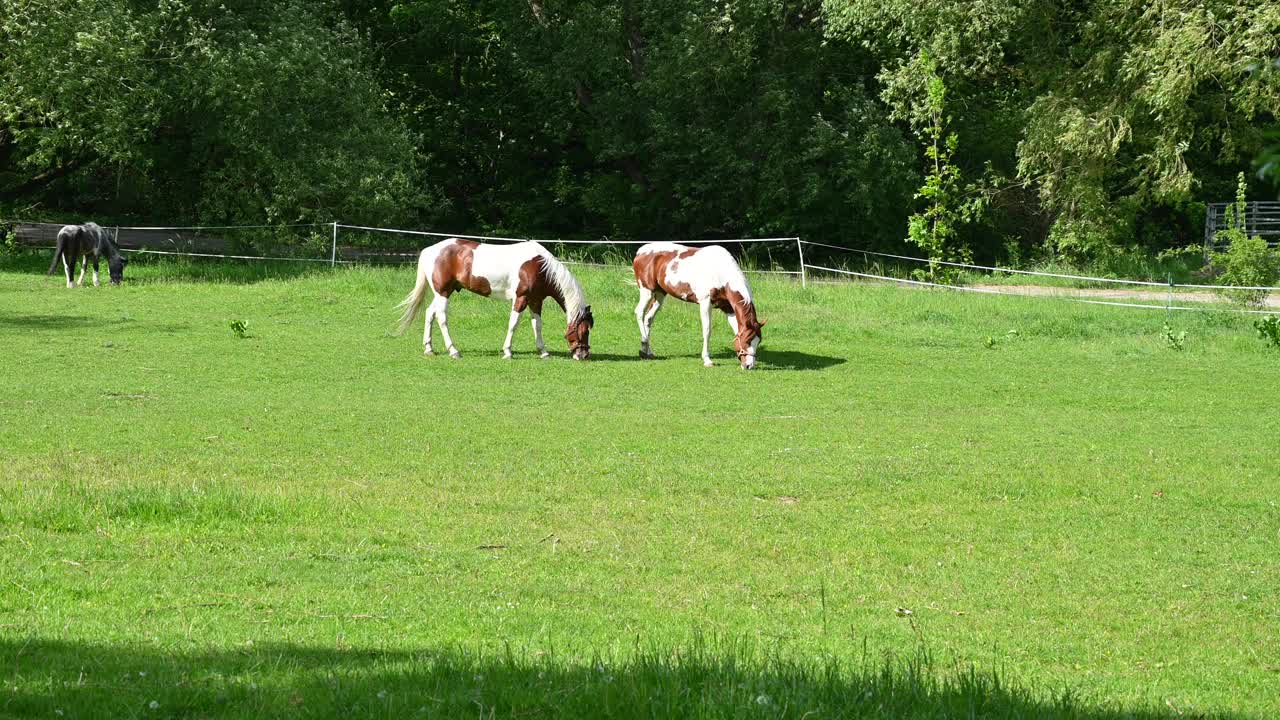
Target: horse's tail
<point>413,302</point>
<point>58,249</point>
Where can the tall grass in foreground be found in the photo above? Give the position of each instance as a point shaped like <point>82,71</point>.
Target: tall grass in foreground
<point>701,680</point>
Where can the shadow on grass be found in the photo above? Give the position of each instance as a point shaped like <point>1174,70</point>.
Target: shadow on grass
<point>796,360</point>
<point>51,322</point>
<point>43,678</point>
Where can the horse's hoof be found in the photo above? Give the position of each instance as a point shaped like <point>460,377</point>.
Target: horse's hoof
<point>428,352</point>
<point>455,354</point>
<point>708,363</point>
<point>647,355</point>
<point>506,354</point>
<point>545,355</point>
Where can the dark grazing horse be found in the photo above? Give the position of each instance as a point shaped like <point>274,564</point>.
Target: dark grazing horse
<point>84,242</point>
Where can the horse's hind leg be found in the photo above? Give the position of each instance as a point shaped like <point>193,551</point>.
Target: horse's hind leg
<point>95,270</point>
<point>69,268</point>
<point>705,307</point>
<point>650,303</point>
<point>511,329</point>
<point>441,305</point>
<point>426,326</point>
<point>642,307</point>
<point>84,265</point>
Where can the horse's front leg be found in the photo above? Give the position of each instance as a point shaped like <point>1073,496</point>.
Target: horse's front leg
<point>95,271</point>
<point>535,319</point>
<point>84,264</point>
<point>704,305</point>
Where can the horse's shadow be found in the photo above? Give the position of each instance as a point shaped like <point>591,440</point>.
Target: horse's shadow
<point>796,360</point>
<point>767,359</point>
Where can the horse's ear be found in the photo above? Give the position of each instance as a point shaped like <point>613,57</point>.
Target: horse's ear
<point>761,323</point>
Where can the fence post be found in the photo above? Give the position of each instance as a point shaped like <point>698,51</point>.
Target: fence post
<point>333,254</point>
<point>804,276</point>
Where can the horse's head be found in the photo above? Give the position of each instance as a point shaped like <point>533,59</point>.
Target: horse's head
<point>579,334</point>
<point>115,267</point>
<point>747,340</point>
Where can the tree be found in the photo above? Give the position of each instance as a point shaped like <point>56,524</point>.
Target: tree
<point>1152,98</point>
<point>77,88</point>
<point>262,112</point>
<point>654,120</point>
<point>950,203</point>
<point>1109,111</point>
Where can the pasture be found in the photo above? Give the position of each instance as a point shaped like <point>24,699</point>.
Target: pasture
<point>920,504</point>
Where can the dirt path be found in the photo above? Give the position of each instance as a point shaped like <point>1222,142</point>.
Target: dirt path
<point>1146,296</point>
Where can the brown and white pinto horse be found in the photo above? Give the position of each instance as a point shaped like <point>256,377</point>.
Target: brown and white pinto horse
<point>707,276</point>
<point>524,273</point>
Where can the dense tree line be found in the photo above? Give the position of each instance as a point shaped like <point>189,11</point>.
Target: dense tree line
<point>1080,127</point>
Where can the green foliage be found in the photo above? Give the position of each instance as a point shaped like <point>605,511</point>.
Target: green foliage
<point>1248,261</point>
<point>256,113</point>
<point>290,124</point>
<point>8,240</point>
<point>1269,330</point>
<point>1103,110</point>
<point>1268,160</point>
<point>1173,340</point>
<point>77,87</point>
<point>1158,93</point>
<point>240,328</point>
<point>1084,130</point>
<point>648,120</point>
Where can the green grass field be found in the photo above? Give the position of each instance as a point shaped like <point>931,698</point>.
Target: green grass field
<point>317,521</point>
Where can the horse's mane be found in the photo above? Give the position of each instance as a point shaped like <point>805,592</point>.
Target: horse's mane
<point>566,283</point>
<point>731,272</point>
<point>101,238</point>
